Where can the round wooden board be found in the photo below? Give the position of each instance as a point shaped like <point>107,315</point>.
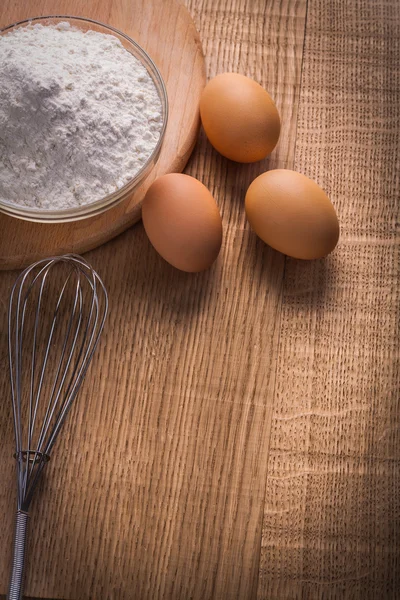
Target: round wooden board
<point>166,31</point>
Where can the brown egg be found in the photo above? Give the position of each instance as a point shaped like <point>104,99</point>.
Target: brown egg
<point>182,222</point>
<point>239,117</point>
<point>291,213</point>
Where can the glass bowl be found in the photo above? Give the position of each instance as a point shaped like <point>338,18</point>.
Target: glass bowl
<point>103,204</point>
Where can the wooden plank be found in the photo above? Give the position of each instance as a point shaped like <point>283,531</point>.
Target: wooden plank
<point>157,485</point>
<point>331,524</point>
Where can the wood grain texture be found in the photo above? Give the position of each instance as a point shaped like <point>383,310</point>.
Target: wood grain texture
<point>162,495</point>
<point>166,31</point>
<point>332,510</point>
<point>168,447</point>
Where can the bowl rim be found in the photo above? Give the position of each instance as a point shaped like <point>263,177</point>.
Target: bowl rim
<point>102,204</point>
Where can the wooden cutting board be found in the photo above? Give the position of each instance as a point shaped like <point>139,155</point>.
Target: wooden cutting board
<point>166,31</point>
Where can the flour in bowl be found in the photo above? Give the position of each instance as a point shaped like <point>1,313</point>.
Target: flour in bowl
<point>79,116</point>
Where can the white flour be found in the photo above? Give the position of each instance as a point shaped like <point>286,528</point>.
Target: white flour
<point>79,116</point>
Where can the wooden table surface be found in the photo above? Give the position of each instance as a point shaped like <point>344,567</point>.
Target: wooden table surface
<point>239,433</point>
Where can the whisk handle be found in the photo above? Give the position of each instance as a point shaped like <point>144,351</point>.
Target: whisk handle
<point>18,564</point>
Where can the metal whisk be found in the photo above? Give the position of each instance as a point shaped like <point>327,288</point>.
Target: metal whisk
<point>57,311</point>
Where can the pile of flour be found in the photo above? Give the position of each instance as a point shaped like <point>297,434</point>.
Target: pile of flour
<point>79,116</point>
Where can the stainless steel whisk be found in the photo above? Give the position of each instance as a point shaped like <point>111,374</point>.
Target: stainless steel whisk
<point>57,311</point>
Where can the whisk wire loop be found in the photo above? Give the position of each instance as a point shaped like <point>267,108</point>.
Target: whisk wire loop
<point>55,376</point>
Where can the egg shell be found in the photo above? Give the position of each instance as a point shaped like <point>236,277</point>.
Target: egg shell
<point>291,213</point>
<point>182,222</point>
<point>239,117</point>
